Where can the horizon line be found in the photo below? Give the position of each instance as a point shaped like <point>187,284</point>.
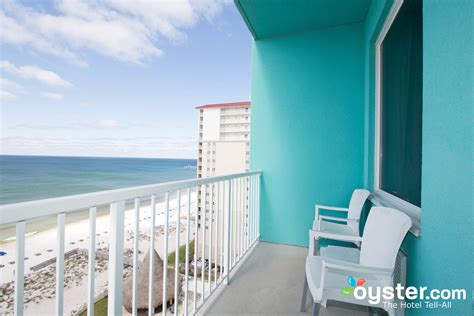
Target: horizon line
<point>117,157</point>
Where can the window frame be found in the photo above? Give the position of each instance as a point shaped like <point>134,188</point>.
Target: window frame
<point>379,196</point>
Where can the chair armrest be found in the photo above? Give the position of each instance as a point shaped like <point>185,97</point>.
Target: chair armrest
<point>332,208</point>
<point>340,219</point>
<point>321,234</point>
<point>318,207</point>
<point>333,218</point>
<point>354,267</point>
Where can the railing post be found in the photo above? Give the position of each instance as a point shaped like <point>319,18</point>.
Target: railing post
<point>151,270</point>
<point>186,261</point>
<point>222,233</point>
<point>227,232</point>
<point>216,247</point>
<point>203,258</point>
<point>259,182</point>
<point>256,208</point>
<point>136,233</point>
<point>116,258</point>
<point>165,256</point>
<point>176,252</point>
<point>196,247</point>
<point>61,220</point>
<point>20,268</point>
<point>211,211</point>
<point>91,262</point>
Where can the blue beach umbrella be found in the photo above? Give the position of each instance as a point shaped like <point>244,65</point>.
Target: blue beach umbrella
<point>2,253</point>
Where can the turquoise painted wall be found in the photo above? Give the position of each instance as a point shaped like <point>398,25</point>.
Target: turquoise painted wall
<point>442,256</point>
<point>307,126</point>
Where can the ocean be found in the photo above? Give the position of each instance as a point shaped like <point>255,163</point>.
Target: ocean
<point>26,178</point>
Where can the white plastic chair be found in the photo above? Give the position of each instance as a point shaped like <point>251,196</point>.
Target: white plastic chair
<point>374,263</point>
<point>346,230</point>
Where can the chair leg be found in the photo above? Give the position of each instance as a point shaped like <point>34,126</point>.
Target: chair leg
<point>316,309</point>
<point>316,247</point>
<point>371,311</point>
<point>324,303</point>
<point>305,294</point>
<point>391,312</point>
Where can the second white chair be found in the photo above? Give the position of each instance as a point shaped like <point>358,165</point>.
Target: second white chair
<point>345,229</point>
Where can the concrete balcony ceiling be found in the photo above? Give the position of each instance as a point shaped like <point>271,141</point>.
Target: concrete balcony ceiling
<point>281,17</point>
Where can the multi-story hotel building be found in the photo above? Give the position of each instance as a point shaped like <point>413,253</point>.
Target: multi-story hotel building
<point>224,136</point>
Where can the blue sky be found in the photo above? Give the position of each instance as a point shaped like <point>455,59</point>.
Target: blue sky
<point>116,78</point>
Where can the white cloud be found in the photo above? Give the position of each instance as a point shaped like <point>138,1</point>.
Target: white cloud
<point>52,95</point>
<point>9,85</point>
<point>107,123</point>
<point>122,29</point>
<point>6,96</point>
<point>34,72</point>
<point>78,125</point>
<point>8,89</point>
<point>178,147</point>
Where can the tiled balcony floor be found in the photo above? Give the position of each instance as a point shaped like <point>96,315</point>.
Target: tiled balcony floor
<point>270,282</point>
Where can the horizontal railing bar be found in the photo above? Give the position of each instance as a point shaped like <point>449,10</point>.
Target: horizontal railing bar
<point>12,213</point>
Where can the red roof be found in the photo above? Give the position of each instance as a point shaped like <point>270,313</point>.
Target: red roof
<point>245,104</point>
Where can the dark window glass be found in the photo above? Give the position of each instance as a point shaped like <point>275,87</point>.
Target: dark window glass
<point>401,108</point>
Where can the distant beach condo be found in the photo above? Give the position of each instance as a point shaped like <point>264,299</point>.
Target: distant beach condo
<point>224,138</point>
<point>223,148</point>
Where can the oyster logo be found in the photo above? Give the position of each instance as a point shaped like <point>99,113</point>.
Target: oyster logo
<point>353,284</point>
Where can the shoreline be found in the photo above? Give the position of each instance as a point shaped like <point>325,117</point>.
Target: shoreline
<point>45,223</point>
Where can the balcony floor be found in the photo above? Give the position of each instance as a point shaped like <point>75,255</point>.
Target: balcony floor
<point>270,282</point>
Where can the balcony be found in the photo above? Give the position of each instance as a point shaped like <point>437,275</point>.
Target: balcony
<point>163,217</point>
<point>241,274</point>
<point>235,129</point>
<point>235,120</point>
<point>234,112</point>
<point>234,137</point>
<point>315,136</point>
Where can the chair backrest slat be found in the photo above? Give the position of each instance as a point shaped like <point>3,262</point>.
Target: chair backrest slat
<point>384,232</point>
<point>359,196</point>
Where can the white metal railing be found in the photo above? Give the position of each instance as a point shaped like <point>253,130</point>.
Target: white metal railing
<point>238,119</point>
<point>224,210</point>
<point>234,129</point>
<point>237,136</point>
<point>234,112</point>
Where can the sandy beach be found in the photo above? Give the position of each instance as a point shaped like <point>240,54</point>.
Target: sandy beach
<point>41,247</point>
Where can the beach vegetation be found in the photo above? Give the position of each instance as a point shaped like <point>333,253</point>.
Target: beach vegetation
<point>182,254</point>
